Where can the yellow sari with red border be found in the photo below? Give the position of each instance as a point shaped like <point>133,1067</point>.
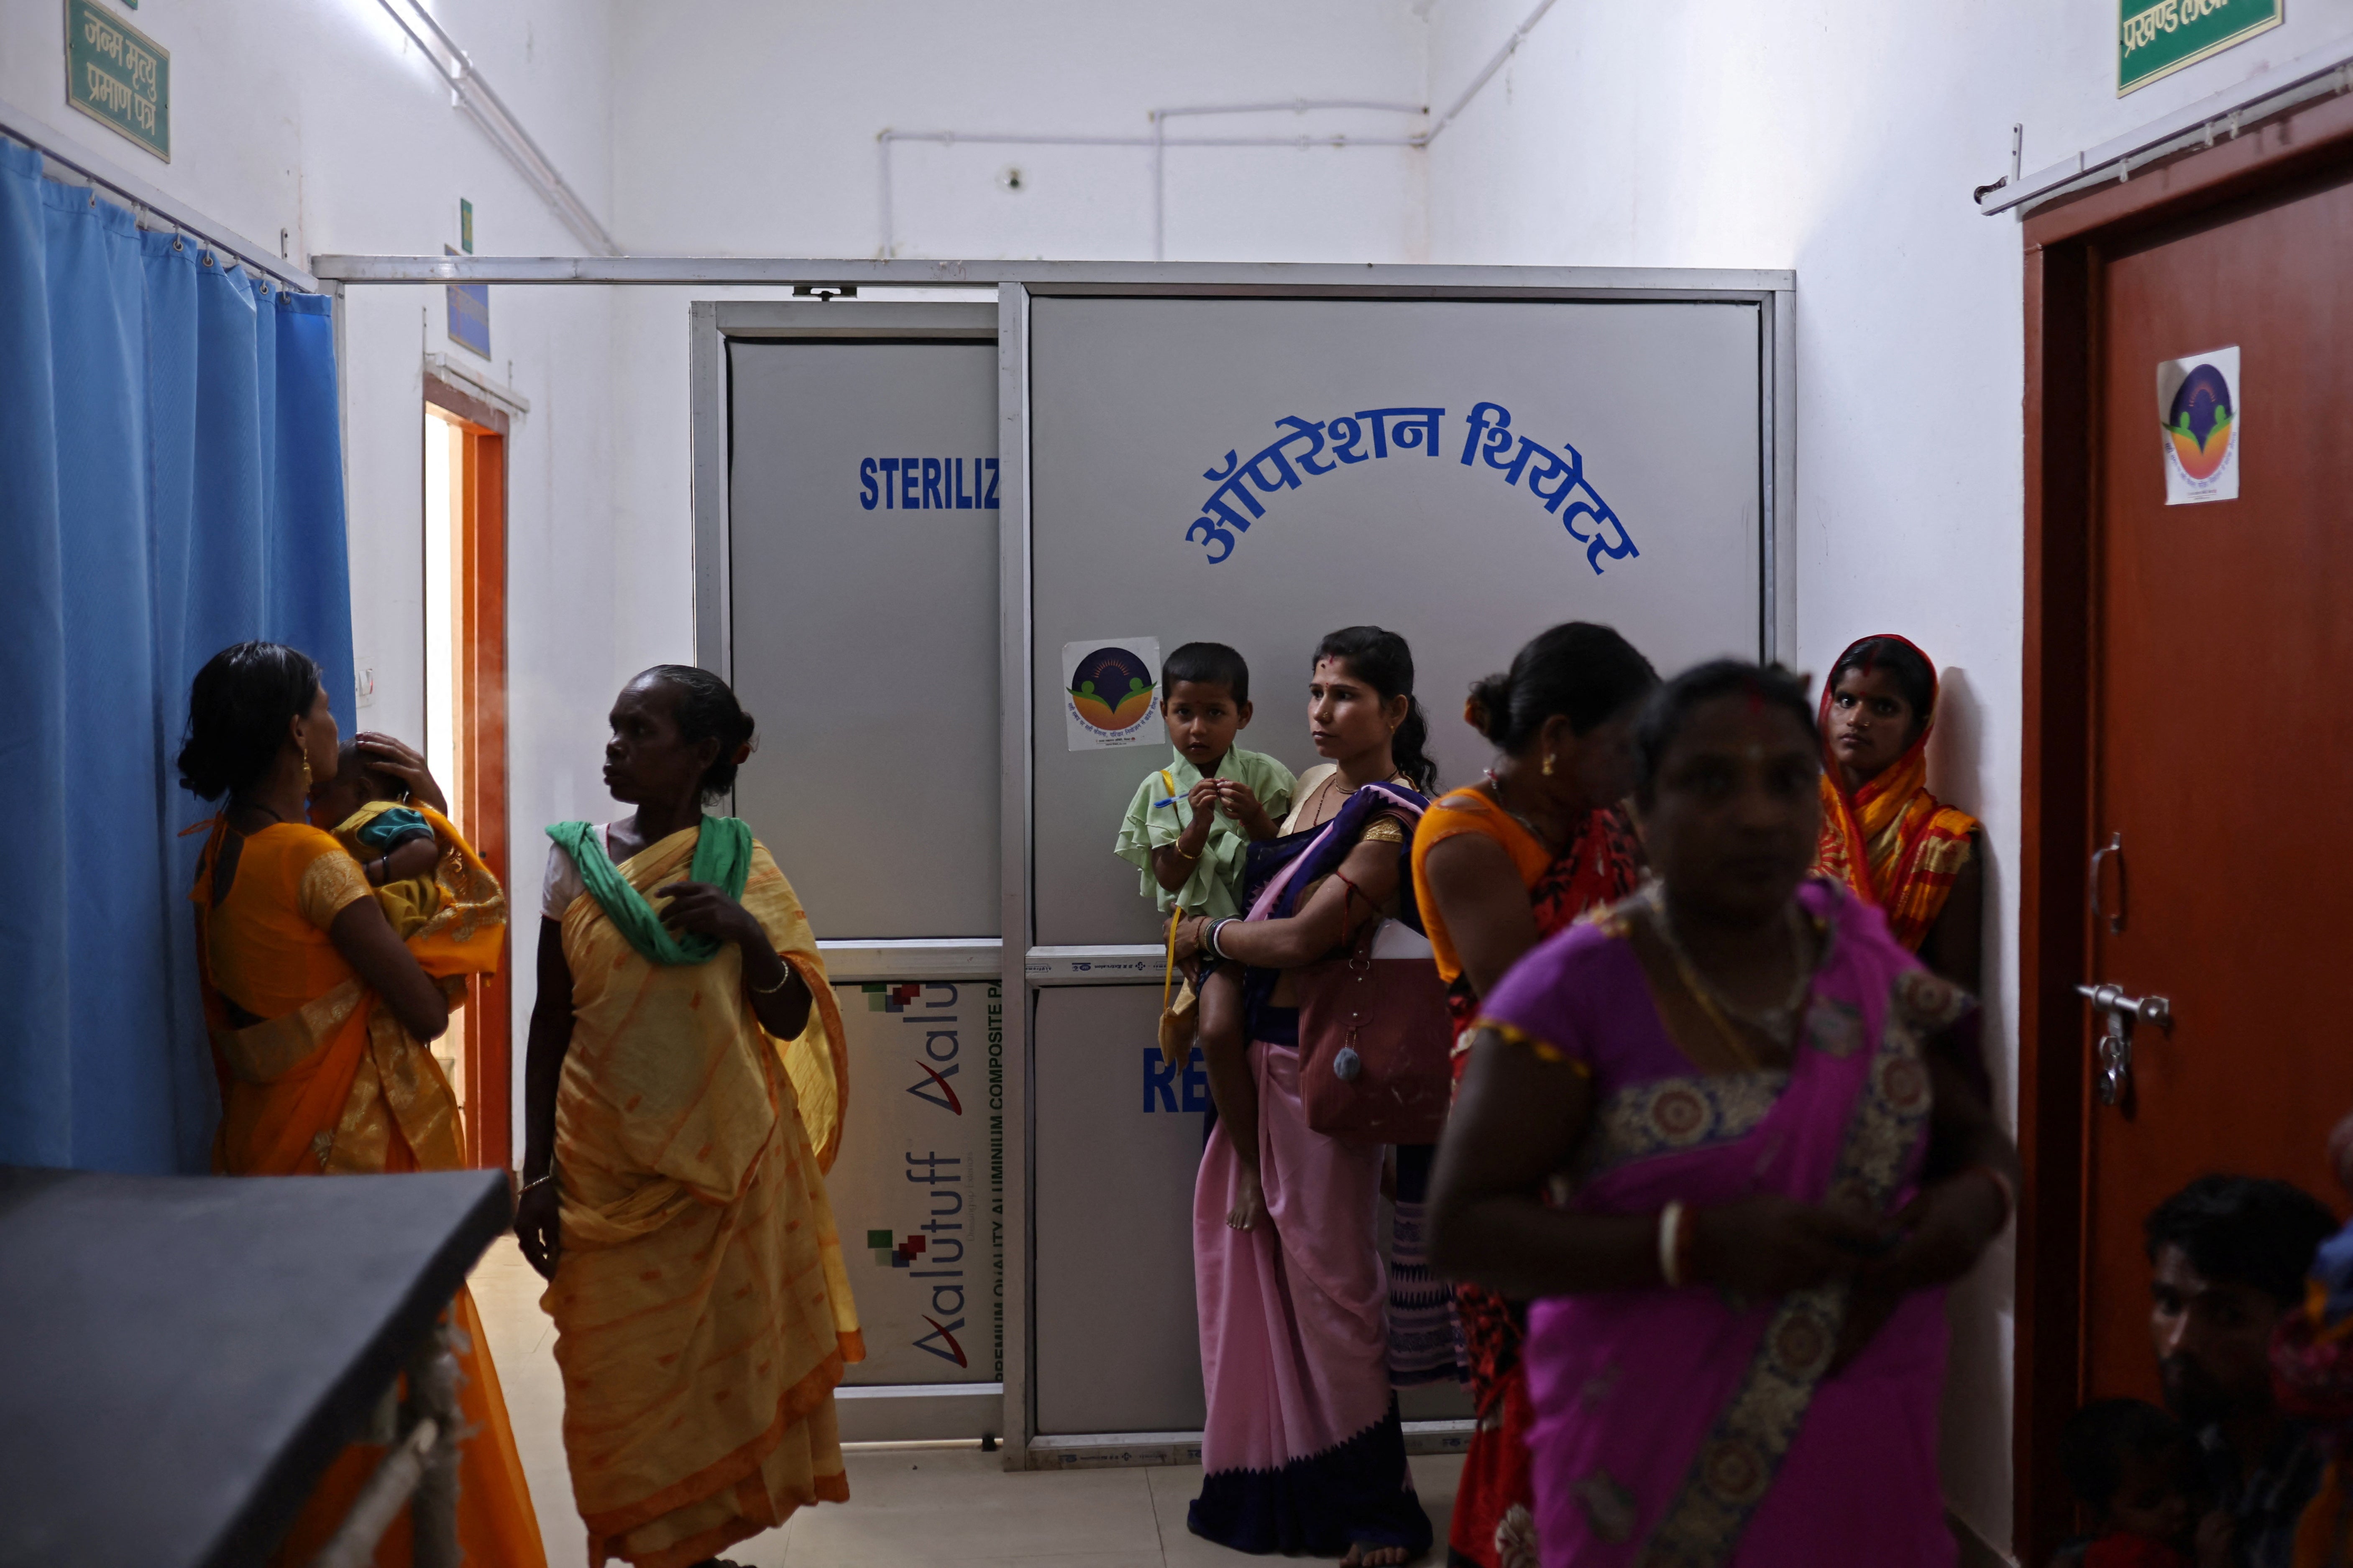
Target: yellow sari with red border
<point>703,1313</point>
<point>327,1083</point>
<point>1891,842</point>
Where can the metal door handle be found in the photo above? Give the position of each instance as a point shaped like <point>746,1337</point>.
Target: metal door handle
<point>2122,1012</point>
<point>2115,845</point>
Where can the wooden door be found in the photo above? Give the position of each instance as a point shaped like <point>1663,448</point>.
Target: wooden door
<point>2221,716</point>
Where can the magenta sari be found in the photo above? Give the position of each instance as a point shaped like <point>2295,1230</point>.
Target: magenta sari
<point>1678,1429</point>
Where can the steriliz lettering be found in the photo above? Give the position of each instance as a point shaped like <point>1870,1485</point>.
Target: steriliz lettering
<point>1308,448</point>
<point>927,484</point>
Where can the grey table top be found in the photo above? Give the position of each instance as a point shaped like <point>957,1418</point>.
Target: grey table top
<point>180,1357</point>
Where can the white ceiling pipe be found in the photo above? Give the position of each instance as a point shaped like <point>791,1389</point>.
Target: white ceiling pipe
<point>1511,46</point>
<point>1156,142</point>
<point>1160,140</point>
<point>469,93</point>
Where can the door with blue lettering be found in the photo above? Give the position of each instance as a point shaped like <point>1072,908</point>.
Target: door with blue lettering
<point>862,507</point>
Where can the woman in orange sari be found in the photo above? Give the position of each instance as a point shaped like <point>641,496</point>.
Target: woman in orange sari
<point>1498,868</point>
<point>1892,843</point>
<point>320,1016</point>
<point>682,1100</point>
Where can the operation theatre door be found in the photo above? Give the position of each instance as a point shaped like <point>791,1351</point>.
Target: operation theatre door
<point>1259,472</point>
<point>2222,654</point>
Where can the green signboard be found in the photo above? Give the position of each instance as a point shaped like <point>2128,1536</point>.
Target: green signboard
<point>2158,39</point>
<point>116,73</point>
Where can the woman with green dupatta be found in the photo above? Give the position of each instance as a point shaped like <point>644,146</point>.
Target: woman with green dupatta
<point>683,1097</point>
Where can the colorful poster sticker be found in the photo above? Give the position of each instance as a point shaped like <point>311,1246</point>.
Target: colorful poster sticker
<point>1110,693</point>
<point>2198,411</point>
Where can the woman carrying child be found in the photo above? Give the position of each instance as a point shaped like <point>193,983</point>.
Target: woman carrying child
<point>1303,1448</point>
<point>1497,867</point>
<point>321,1012</point>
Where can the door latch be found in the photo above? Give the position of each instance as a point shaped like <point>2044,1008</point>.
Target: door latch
<point>2122,1012</point>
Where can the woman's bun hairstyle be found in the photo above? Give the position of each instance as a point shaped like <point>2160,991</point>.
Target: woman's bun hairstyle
<point>238,711</point>
<point>1489,707</point>
<point>1383,660</point>
<point>1587,672</point>
<point>703,707</point>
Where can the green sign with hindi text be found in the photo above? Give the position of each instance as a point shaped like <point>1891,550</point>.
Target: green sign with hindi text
<point>2157,39</point>
<point>116,74</point>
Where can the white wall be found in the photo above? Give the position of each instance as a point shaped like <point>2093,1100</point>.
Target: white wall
<point>320,118</point>
<point>743,126</point>
<point>746,127</point>
<point>1842,137</point>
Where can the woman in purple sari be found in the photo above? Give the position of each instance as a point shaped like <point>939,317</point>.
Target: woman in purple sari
<point>1773,1131</point>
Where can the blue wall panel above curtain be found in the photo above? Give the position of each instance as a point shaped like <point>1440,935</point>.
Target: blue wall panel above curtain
<point>170,483</point>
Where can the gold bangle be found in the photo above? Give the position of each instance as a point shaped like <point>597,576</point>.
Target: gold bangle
<point>1179,850</point>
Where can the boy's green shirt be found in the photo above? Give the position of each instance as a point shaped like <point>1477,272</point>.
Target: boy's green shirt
<point>1215,886</point>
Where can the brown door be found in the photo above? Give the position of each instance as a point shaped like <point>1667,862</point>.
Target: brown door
<point>2221,711</point>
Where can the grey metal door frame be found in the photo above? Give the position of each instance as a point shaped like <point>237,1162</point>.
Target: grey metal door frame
<point>1773,291</point>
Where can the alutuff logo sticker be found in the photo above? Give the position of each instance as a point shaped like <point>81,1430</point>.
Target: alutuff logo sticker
<point>930,1243</point>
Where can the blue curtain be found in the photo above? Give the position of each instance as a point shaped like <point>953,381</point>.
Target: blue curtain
<point>171,482</point>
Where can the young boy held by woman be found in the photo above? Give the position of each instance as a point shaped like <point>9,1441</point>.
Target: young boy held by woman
<point>1191,823</point>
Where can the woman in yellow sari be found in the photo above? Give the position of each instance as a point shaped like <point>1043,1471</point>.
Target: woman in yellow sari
<point>1893,844</point>
<point>320,1016</point>
<point>682,1100</point>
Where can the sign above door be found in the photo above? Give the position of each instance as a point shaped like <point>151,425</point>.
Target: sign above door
<point>2156,39</point>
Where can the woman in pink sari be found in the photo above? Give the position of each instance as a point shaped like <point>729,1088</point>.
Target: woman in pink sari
<point>1778,1151</point>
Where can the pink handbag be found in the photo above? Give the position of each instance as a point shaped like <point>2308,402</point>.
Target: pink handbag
<point>1373,1040</point>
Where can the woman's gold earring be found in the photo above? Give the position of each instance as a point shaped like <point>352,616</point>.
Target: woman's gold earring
<point>1547,767</point>
<point>306,770</point>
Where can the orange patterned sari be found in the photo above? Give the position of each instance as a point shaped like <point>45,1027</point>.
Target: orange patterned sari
<point>701,1309</point>
<point>316,1080</point>
<point>1891,842</point>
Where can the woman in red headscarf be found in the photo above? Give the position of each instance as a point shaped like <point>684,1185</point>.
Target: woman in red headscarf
<point>1883,835</point>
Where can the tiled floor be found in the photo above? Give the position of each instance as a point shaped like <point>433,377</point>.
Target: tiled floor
<point>908,1506</point>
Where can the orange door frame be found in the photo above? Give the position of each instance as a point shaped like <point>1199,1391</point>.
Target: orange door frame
<point>478,796</point>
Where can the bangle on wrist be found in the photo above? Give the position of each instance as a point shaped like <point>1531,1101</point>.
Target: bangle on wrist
<point>1210,937</point>
<point>2003,1191</point>
<point>1674,1244</point>
<point>783,981</point>
<point>539,1181</point>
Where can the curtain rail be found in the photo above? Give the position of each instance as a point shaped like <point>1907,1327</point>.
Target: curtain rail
<point>145,199</point>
